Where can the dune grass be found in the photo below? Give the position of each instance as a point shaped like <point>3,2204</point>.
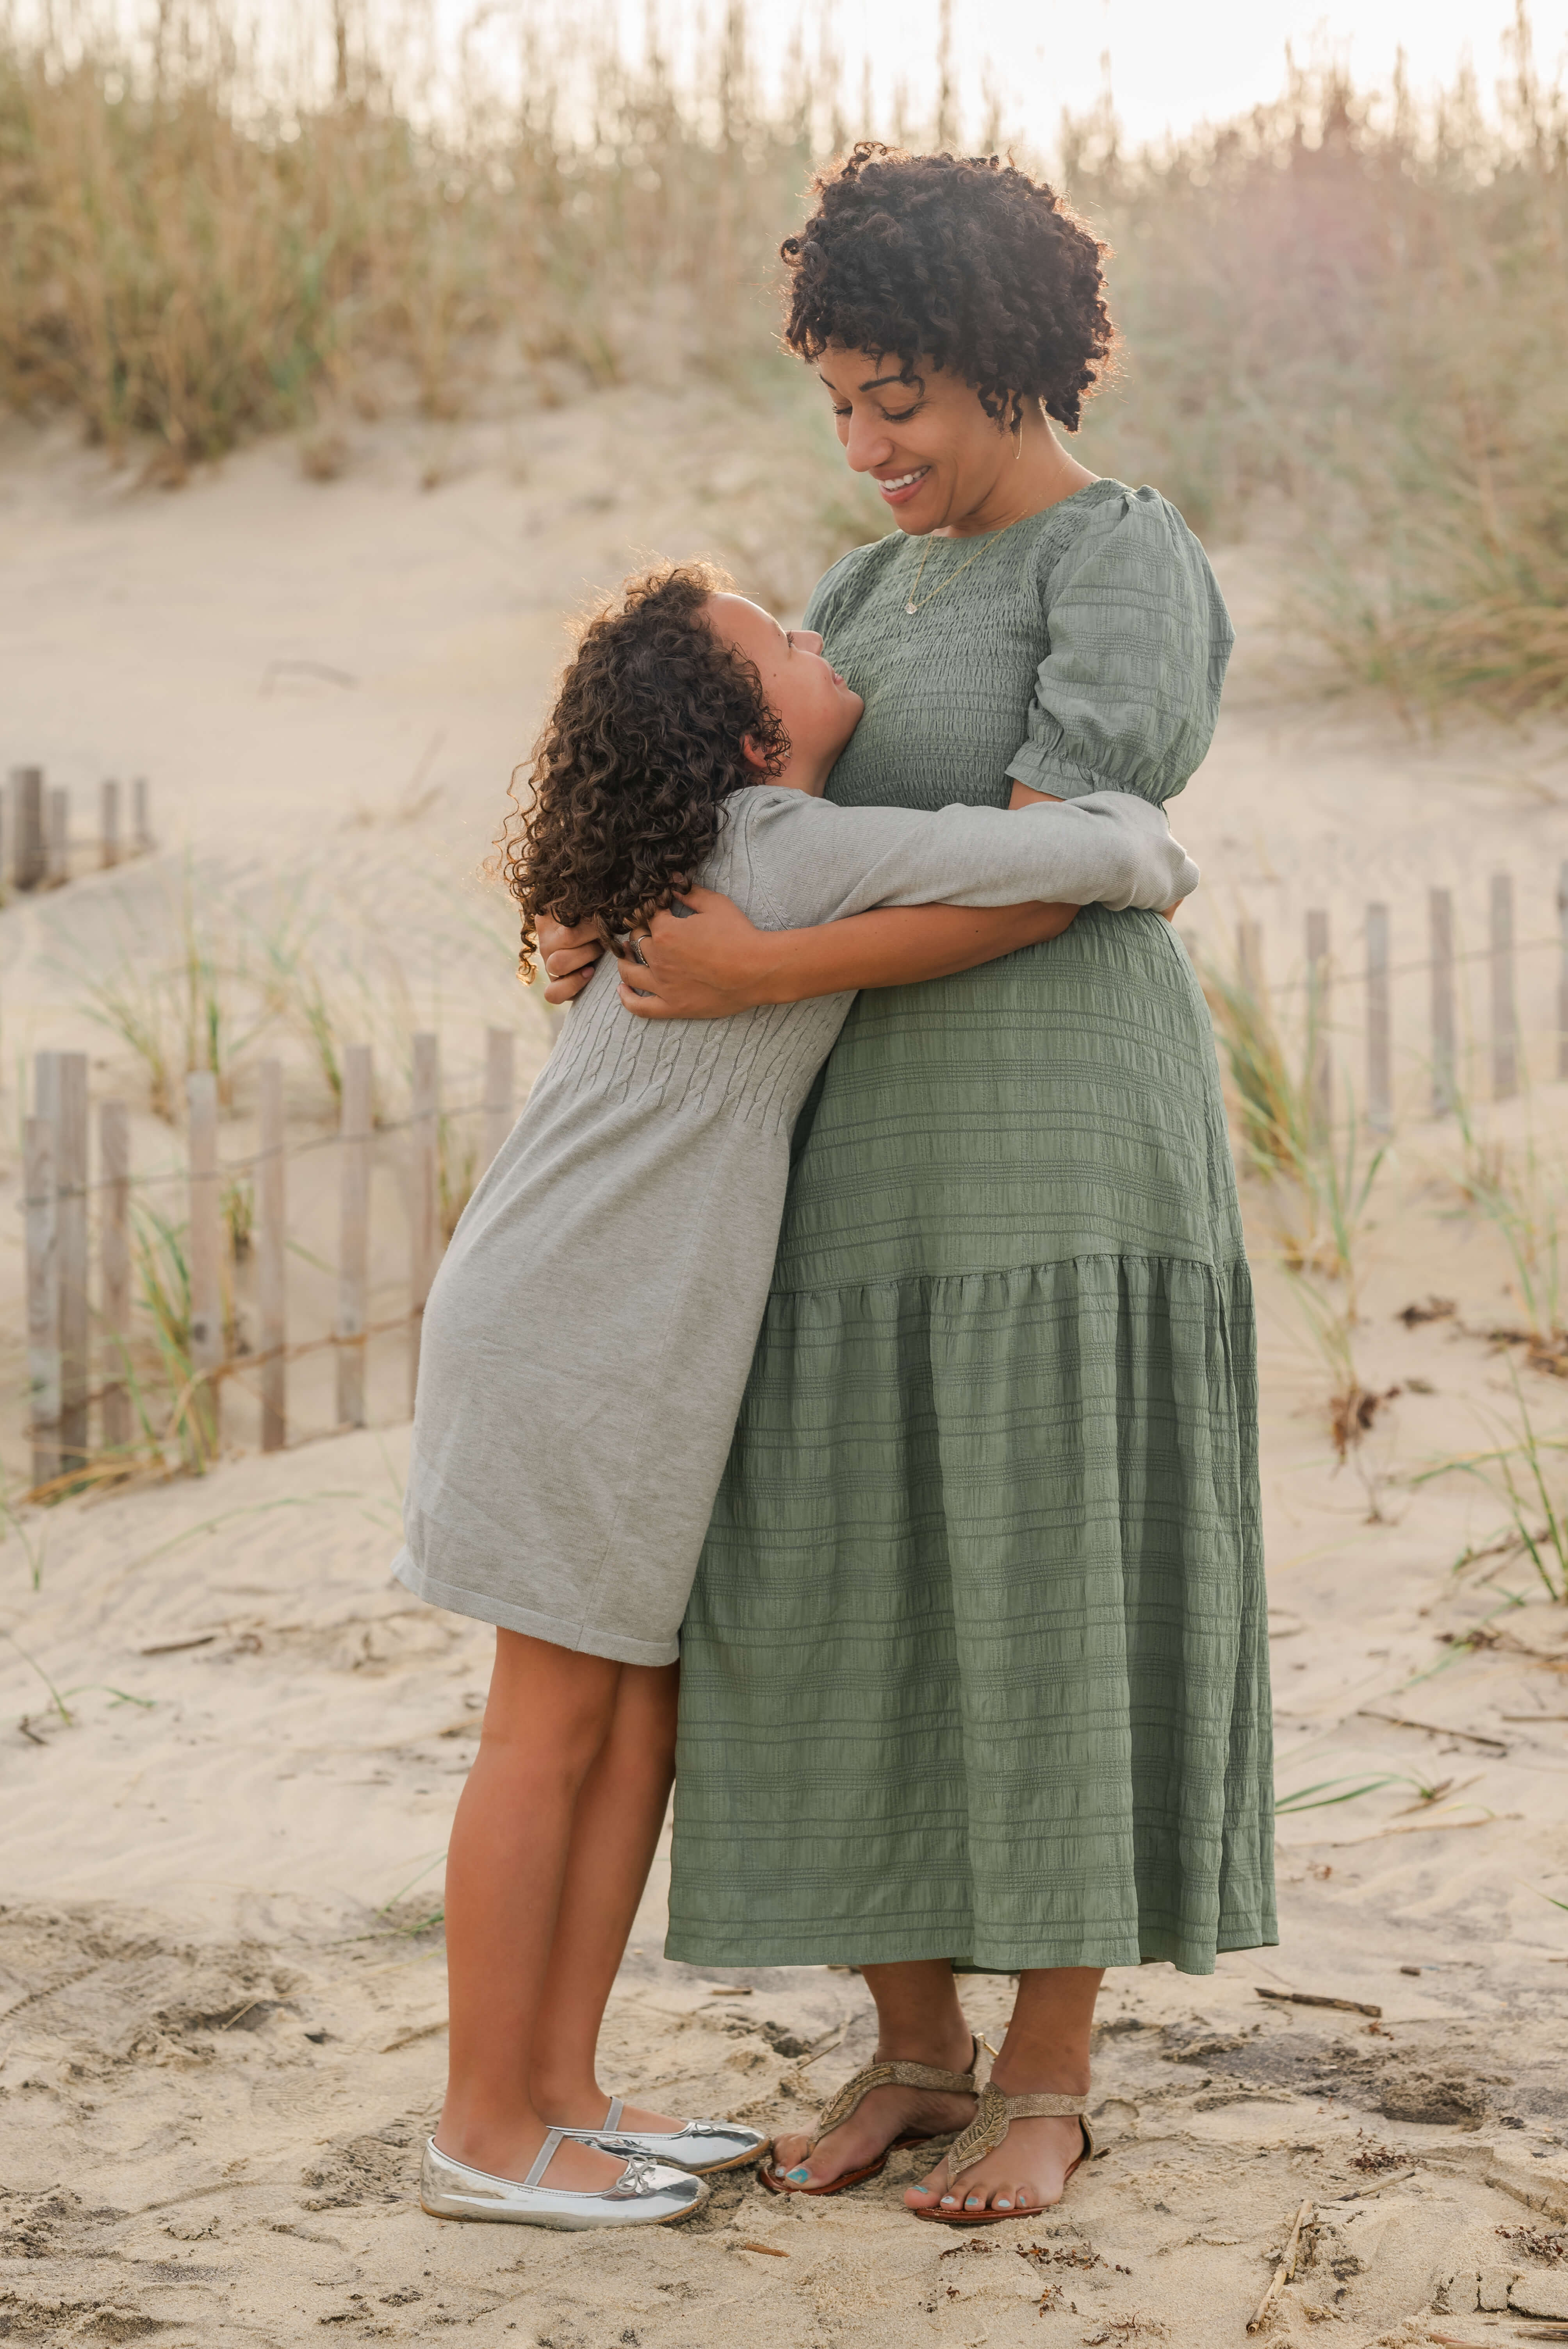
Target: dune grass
<point>1346,308</point>
<point>1319,1173</point>
<point>1358,313</point>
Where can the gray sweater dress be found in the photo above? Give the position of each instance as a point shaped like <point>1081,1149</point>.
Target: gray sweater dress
<point>588,1336</point>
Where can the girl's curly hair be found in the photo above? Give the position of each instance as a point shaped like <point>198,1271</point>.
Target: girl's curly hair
<point>967,263</point>
<point>636,758</point>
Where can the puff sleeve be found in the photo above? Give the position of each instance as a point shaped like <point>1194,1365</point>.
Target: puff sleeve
<point>1127,694</point>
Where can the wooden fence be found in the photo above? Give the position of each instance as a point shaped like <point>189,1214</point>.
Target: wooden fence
<point>35,839</point>
<point>1441,967</point>
<point>79,1320</point>
<point>79,1326</point>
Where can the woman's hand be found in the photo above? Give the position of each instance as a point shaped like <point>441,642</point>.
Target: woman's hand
<point>703,963</point>
<point>567,956</point>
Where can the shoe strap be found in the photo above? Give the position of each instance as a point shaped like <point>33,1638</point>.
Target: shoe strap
<point>895,2075</point>
<point>996,2112</point>
<point>612,2117</point>
<point>542,2158</point>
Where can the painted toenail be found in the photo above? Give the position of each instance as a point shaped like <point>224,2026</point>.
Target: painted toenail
<point>973,2203</point>
<point>797,2176</point>
<point>1002,2203</point>
<point>949,2201</point>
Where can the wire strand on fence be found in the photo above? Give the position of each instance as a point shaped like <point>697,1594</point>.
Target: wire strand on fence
<point>232,1169</point>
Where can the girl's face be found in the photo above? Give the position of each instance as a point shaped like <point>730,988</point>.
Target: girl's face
<point>819,710</point>
<point>925,440</point>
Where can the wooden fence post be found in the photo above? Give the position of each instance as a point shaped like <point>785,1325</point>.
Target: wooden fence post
<point>57,848</point>
<point>1504,1016</point>
<point>501,1084</point>
<point>354,1246</point>
<point>61,1091</point>
<point>271,1260</point>
<point>1379,1050</point>
<point>1562,970</point>
<point>1440,933</point>
<point>1320,1072</point>
<point>142,836</point>
<point>28,862</point>
<point>206,1259</point>
<point>108,825</point>
<point>114,1266</point>
<point>42,1298</point>
<point>423,1191</point>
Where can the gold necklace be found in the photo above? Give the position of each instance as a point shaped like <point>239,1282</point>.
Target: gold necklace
<point>912,607</point>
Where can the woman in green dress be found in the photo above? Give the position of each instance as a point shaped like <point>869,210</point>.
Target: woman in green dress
<point>974,1674</point>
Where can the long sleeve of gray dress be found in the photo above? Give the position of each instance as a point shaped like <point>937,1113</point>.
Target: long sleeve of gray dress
<point>812,861</point>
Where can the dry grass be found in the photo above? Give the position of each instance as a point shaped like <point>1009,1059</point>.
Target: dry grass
<point>1359,312</point>
<point>191,263</point>
<point>1351,310</point>
<point>1318,1175</point>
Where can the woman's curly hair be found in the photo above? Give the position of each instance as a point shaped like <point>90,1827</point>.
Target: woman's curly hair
<point>969,264</point>
<point>636,760</point>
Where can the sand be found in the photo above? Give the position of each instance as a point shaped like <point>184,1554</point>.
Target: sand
<point>221,1992</point>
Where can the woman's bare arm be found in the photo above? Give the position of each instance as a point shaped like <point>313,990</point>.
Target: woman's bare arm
<point>716,962</point>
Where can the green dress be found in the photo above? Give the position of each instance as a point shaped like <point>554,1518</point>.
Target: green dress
<point>975,1664</point>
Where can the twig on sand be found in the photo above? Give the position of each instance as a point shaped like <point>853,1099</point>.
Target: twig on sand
<point>826,2048</point>
<point>1310,1998</point>
<point>1434,1729</point>
<point>408,2038</point>
<point>768,2250</point>
<point>177,1647</point>
<point>241,2011</point>
<point>1413,1826</point>
<point>1287,2268</point>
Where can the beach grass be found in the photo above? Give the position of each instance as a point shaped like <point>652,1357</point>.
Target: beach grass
<point>1345,315</point>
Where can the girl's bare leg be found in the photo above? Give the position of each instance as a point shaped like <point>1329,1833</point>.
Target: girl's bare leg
<point>919,2021</point>
<point>550,1716</point>
<point>620,1811</point>
<point>1045,2053</point>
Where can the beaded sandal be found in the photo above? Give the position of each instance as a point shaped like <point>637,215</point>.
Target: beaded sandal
<point>987,2130</point>
<point>879,2075</point>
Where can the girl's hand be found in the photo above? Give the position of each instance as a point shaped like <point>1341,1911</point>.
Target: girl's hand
<point>567,956</point>
<point>1023,796</point>
<point>703,965</point>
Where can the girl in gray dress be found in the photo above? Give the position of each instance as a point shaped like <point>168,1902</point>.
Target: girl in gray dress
<point>637,1204</point>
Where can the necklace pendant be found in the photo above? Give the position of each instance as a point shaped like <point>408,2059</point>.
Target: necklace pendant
<point>909,608</point>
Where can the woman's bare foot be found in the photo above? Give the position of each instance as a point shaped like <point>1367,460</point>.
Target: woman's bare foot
<point>881,2118</point>
<point>1027,2172</point>
<point>878,2120</point>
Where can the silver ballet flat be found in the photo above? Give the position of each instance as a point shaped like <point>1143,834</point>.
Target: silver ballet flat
<point>647,2194</point>
<point>698,2146</point>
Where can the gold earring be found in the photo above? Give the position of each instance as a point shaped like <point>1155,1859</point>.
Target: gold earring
<point>1017,429</point>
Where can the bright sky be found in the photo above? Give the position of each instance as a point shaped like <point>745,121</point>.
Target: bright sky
<point>1171,66</point>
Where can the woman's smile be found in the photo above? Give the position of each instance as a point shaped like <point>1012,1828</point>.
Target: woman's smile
<point>898,488</point>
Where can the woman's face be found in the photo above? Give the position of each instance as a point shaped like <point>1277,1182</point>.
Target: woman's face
<point>819,710</point>
<point>924,437</point>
